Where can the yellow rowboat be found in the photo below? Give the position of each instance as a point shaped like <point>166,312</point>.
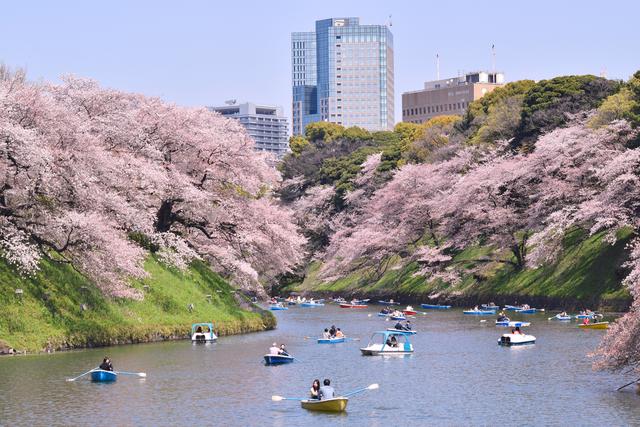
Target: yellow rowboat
<point>596,325</point>
<point>337,404</point>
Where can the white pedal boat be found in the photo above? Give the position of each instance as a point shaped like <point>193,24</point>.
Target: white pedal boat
<point>516,339</point>
<point>379,344</point>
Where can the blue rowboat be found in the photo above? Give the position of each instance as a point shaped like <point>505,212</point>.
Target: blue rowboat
<point>490,307</point>
<point>512,323</point>
<point>402,331</point>
<point>479,312</point>
<point>101,376</point>
<point>435,306</point>
<point>311,304</point>
<point>512,308</point>
<point>398,318</point>
<point>330,340</point>
<point>558,317</point>
<point>381,302</point>
<point>277,359</point>
<point>383,314</point>
<point>527,310</point>
<point>587,316</point>
<point>278,307</point>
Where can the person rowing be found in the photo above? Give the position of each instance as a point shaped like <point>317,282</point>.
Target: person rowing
<point>406,327</point>
<point>283,350</point>
<point>502,317</point>
<point>332,331</point>
<point>106,364</point>
<point>274,350</point>
<point>339,333</point>
<point>326,391</point>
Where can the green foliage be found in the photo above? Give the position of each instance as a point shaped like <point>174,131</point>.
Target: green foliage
<point>634,88</point>
<point>546,104</point>
<point>617,106</point>
<point>435,133</point>
<point>50,312</point>
<point>323,131</point>
<point>298,144</point>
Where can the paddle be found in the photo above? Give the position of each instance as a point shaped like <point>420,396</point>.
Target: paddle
<point>80,376</point>
<point>360,390</point>
<point>280,398</point>
<point>627,385</point>
<point>137,374</point>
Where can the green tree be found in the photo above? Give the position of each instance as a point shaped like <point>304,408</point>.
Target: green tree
<point>323,131</point>
<point>355,133</point>
<point>298,144</point>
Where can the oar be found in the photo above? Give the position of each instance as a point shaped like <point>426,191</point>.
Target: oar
<point>80,376</point>
<point>280,398</point>
<point>627,385</point>
<point>552,317</point>
<point>136,374</point>
<point>360,390</point>
<point>351,339</point>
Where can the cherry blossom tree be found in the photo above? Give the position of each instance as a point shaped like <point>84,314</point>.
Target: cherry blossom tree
<point>82,168</point>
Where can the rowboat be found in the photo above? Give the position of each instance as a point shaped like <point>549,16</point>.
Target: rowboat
<point>404,331</point>
<point>409,312</point>
<point>528,310</point>
<point>337,404</point>
<point>558,317</point>
<point>490,307</point>
<point>361,301</point>
<point>277,359</point>
<point>398,317</point>
<point>202,333</point>
<point>353,306</point>
<point>479,312</point>
<point>435,306</point>
<point>512,323</point>
<point>378,344</point>
<point>390,302</point>
<point>588,316</point>
<point>516,339</point>
<point>276,307</point>
<point>312,304</point>
<point>512,308</point>
<point>102,376</point>
<point>381,314</point>
<point>596,325</point>
<point>331,340</point>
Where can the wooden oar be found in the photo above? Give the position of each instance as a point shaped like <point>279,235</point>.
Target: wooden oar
<point>627,385</point>
<point>137,374</point>
<point>80,376</point>
<point>280,398</point>
<point>360,390</point>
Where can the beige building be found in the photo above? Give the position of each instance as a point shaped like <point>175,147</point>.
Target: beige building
<point>448,96</point>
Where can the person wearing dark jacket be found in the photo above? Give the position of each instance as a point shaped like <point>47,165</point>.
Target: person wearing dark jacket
<point>106,365</point>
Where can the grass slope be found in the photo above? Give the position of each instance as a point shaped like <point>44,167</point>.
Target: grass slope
<point>60,308</point>
<point>588,270</point>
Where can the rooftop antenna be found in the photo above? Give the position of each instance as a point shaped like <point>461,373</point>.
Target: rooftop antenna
<point>230,101</point>
<point>437,66</point>
<point>493,58</point>
<point>390,23</point>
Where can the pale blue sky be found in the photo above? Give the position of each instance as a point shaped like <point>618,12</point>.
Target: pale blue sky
<point>203,52</point>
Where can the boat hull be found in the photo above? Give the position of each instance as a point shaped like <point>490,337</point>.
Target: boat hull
<point>101,376</point>
<point>388,302</point>
<point>398,318</point>
<point>404,331</point>
<point>435,306</point>
<point>330,340</point>
<point>409,312</point>
<point>479,312</point>
<point>509,340</point>
<point>353,306</point>
<point>527,311</point>
<point>277,360</point>
<point>338,404</point>
<point>512,324</point>
<point>598,325</point>
<point>311,304</point>
<point>277,308</point>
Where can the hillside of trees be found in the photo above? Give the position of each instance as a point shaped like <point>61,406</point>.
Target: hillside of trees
<point>536,185</point>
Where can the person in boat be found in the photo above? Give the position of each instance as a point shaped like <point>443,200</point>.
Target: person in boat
<point>339,333</point>
<point>326,391</point>
<point>407,326</point>
<point>325,334</point>
<point>585,321</point>
<point>516,331</point>
<point>274,350</point>
<point>106,364</point>
<point>563,314</point>
<point>332,331</point>
<point>526,306</point>
<point>283,350</point>
<point>314,392</point>
<point>502,317</point>
<point>399,326</point>
<point>199,330</point>
<point>476,308</point>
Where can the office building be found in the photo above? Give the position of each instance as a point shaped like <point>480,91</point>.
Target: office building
<point>343,73</point>
<point>448,96</point>
<point>266,124</point>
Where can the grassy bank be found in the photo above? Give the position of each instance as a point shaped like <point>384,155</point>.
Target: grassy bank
<point>60,308</point>
<point>587,273</point>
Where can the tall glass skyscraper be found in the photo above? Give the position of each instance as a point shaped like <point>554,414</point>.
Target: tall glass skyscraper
<point>343,73</point>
